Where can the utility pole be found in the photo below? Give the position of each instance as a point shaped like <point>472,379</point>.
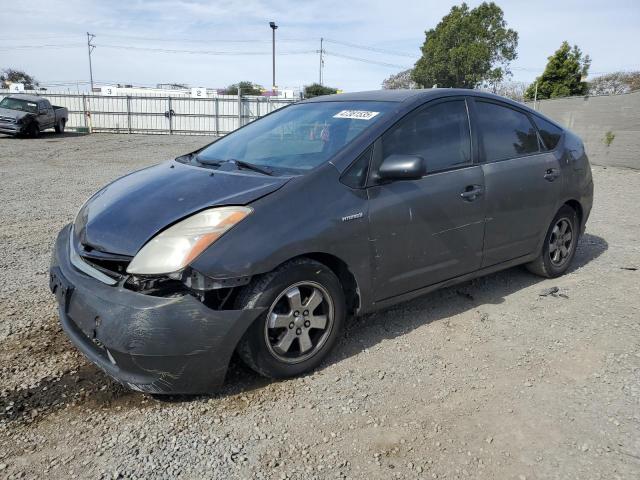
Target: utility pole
<point>273,53</point>
<point>321,59</point>
<point>535,97</point>
<point>90,48</point>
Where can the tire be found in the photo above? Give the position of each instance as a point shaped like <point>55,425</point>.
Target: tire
<point>59,128</point>
<point>34,130</point>
<point>277,344</point>
<point>558,250</point>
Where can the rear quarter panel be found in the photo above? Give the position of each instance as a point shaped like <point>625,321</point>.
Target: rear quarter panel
<point>578,180</point>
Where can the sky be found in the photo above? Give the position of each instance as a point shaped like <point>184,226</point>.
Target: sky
<point>162,41</point>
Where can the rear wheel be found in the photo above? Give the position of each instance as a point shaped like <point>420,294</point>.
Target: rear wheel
<point>305,311</point>
<point>559,245</point>
<point>60,126</point>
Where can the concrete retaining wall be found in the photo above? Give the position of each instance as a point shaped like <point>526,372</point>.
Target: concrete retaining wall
<point>592,117</point>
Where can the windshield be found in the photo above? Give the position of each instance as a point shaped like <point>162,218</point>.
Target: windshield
<point>297,138</point>
<point>19,104</point>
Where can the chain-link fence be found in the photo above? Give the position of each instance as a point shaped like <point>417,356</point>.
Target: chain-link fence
<point>217,115</point>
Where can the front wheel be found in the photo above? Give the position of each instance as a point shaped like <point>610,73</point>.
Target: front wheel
<point>559,245</point>
<point>305,312</point>
<point>34,130</point>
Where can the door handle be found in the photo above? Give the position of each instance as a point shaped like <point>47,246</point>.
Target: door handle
<point>551,174</point>
<point>471,192</point>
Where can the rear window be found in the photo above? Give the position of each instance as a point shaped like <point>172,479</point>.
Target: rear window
<point>506,133</point>
<point>549,132</point>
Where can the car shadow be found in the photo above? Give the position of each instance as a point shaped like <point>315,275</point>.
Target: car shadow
<point>91,388</point>
<point>48,135</point>
<point>364,332</point>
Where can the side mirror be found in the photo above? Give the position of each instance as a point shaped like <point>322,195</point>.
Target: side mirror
<point>402,167</point>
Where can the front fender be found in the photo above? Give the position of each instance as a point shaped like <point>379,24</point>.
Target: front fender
<point>311,214</point>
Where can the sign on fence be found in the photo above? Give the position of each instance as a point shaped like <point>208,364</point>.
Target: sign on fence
<point>198,92</point>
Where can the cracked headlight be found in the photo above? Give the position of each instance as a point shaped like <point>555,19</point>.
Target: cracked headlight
<point>177,246</point>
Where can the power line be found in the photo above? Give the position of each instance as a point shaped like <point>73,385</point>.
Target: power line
<point>51,45</point>
<point>33,37</point>
<point>203,52</point>
<point>371,49</point>
<point>185,40</point>
<point>365,60</point>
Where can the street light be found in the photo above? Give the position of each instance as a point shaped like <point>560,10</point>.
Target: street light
<point>273,45</point>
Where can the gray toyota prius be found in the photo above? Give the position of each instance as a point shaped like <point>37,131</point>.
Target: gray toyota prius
<point>264,241</point>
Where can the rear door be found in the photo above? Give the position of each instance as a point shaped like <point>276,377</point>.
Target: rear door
<point>427,230</point>
<point>522,181</point>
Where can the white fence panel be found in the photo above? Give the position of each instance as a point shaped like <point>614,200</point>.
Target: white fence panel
<point>161,114</point>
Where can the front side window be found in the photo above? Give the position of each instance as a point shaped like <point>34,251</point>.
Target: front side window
<point>299,137</point>
<point>356,175</point>
<point>438,133</point>
<point>549,132</point>
<point>506,133</point>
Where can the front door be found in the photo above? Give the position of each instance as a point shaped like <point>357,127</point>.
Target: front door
<point>431,229</point>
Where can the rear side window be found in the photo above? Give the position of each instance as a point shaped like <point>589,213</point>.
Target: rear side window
<point>506,133</point>
<point>549,132</point>
<point>439,134</point>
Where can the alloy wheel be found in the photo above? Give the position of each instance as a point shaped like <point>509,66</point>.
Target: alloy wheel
<point>299,322</point>
<point>561,242</point>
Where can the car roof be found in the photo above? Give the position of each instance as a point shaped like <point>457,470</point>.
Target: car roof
<point>29,98</point>
<point>415,95</point>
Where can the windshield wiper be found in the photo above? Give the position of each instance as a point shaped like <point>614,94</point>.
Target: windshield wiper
<point>251,166</point>
<point>215,162</point>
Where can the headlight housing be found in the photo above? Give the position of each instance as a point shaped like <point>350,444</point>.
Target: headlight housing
<point>177,246</point>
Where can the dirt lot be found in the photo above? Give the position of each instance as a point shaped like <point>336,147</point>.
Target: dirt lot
<point>489,379</point>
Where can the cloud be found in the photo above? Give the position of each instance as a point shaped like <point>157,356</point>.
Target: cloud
<point>604,31</point>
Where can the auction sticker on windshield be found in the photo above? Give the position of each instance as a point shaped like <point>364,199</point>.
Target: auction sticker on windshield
<point>356,114</point>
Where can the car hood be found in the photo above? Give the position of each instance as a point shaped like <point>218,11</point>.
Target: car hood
<point>15,114</point>
<point>124,215</point>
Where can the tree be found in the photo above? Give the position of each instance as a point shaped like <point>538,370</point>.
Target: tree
<point>399,80</point>
<point>563,76</point>
<point>615,83</point>
<point>10,75</point>
<point>316,90</point>
<point>513,90</point>
<point>467,48</point>
<point>246,88</point>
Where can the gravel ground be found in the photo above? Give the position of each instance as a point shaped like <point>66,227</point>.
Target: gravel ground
<point>495,378</point>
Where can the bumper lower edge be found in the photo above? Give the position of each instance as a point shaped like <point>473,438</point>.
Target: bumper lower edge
<point>150,344</point>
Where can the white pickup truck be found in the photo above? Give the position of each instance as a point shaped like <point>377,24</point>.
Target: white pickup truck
<point>30,115</point>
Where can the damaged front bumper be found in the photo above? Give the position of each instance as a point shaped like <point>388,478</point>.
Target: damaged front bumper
<point>150,344</point>
<point>10,128</point>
